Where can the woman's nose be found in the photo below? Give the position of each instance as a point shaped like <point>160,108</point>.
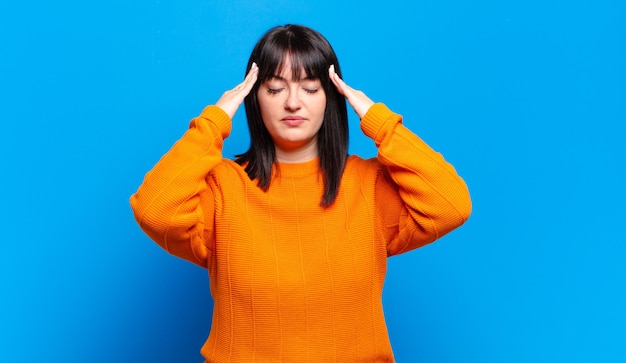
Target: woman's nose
<point>293,100</point>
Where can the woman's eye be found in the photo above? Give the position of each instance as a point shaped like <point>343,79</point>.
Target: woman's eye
<point>273,91</point>
<point>311,90</point>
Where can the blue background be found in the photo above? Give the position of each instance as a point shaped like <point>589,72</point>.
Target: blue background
<point>525,98</point>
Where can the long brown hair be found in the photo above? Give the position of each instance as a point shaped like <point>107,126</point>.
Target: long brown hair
<point>310,52</point>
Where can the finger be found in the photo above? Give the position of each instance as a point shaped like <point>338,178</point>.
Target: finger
<point>342,87</point>
<point>357,99</point>
<point>251,78</point>
<point>334,77</point>
<point>249,81</point>
<point>231,99</point>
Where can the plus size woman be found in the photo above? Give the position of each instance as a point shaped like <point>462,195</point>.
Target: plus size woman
<point>294,232</point>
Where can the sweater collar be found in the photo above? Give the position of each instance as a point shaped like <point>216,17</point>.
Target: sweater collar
<point>298,169</point>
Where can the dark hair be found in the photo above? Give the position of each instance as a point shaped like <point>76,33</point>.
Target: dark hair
<point>310,52</point>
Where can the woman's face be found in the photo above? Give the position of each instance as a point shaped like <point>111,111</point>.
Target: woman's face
<point>293,112</point>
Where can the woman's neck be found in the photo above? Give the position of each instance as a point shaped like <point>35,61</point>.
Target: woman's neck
<point>302,154</point>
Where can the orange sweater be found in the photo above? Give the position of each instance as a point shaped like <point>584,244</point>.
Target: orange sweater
<point>292,281</point>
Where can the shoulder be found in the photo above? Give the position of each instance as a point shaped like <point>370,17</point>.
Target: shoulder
<point>356,165</point>
<point>356,161</point>
<point>367,172</point>
<point>228,171</point>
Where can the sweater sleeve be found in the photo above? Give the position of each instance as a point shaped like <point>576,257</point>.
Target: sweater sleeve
<point>174,205</point>
<point>420,197</point>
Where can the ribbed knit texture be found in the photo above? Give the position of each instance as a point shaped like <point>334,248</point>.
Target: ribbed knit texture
<point>292,281</point>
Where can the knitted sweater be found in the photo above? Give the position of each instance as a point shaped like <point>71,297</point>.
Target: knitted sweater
<point>293,281</point>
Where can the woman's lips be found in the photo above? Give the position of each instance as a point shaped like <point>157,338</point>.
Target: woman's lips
<point>293,120</point>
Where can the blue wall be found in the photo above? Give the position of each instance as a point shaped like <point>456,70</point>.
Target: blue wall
<point>526,98</point>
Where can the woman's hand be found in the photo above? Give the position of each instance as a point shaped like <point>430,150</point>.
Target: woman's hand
<point>357,99</point>
<point>230,100</point>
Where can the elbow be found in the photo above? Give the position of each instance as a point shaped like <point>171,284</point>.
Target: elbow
<point>461,204</point>
<point>457,214</point>
<point>466,208</point>
<point>460,198</point>
<point>146,218</point>
<point>138,208</point>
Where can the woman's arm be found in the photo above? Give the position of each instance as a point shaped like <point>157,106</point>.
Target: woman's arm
<point>174,205</point>
<point>434,199</point>
<point>420,197</point>
<point>167,205</point>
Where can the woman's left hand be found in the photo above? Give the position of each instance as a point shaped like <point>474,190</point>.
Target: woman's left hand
<point>357,99</point>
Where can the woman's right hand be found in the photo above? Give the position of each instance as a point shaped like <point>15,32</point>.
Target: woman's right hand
<point>231,99</point>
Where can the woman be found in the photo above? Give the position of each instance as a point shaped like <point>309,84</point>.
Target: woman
<point>295,233</point>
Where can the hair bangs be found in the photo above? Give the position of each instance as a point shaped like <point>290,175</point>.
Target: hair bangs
<point>306,61</point>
